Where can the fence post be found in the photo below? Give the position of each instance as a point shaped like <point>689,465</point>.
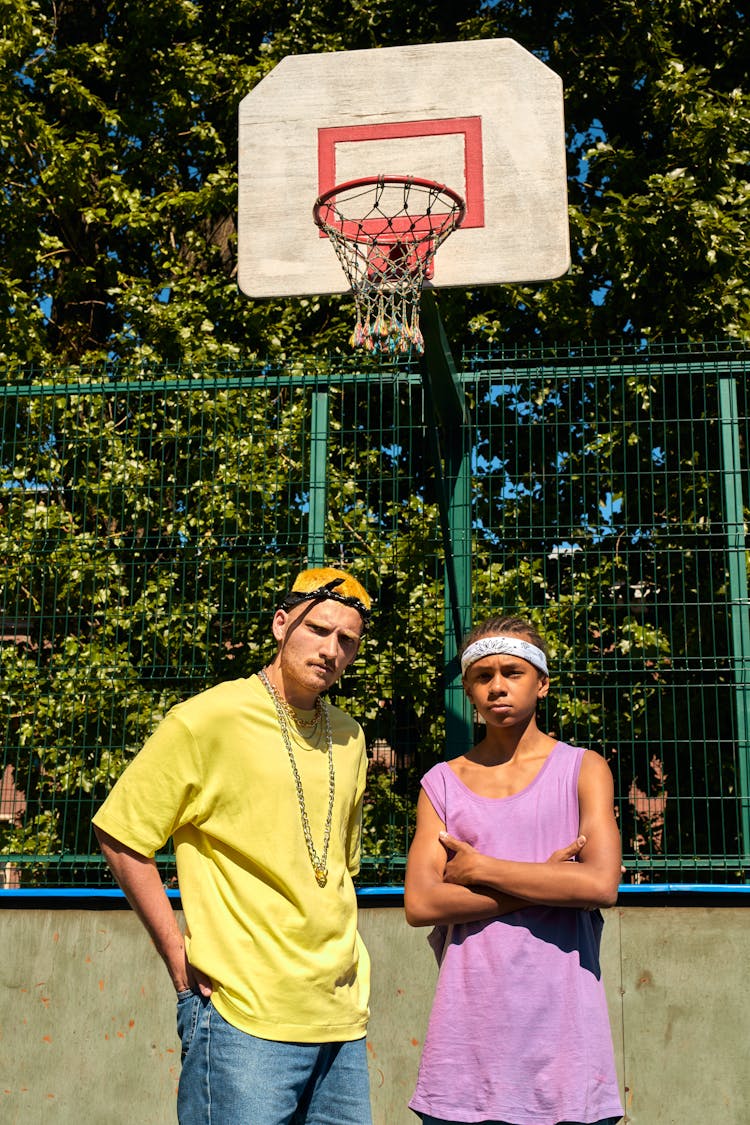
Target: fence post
<point>445,404</point>
<point>318,502</point>
<point>738,593</point>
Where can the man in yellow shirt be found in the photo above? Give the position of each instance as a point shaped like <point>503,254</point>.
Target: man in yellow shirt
<point>260,782</point>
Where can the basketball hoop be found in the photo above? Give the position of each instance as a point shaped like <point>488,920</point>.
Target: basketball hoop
<point>385,231</point>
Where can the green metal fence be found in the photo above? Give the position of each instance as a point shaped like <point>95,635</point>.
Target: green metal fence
<point>150,519</point>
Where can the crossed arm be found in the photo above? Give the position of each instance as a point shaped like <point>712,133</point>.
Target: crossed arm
<point>141,884</point>
<point>471,887</point>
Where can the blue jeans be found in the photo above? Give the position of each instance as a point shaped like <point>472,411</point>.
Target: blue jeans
<point>232,1078</point>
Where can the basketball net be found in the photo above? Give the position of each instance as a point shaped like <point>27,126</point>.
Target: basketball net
<point>385,231</point>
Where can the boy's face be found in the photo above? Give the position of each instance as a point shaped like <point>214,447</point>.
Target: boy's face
<point>317,643</point>
<point>504,689</point>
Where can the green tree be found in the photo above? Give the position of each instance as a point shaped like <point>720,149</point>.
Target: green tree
<point>118,150</point>
<point>146,531</point>
<point>144,534</point>
<point>657,106</point>
<point>598,502</point>
<point>147,526</point>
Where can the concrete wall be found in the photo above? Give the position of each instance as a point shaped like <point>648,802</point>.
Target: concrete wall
<point>87,1016</point>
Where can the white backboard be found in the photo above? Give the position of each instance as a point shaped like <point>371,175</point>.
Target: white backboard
<point>484,117</point>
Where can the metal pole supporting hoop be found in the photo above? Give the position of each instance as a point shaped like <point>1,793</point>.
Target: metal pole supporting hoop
<point>385,231</point>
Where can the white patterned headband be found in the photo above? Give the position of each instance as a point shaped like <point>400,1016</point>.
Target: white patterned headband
<point>504,646</point>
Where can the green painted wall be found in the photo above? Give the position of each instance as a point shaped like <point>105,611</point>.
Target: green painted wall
<point>87,1016</point>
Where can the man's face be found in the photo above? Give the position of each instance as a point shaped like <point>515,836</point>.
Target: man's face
<point>505,689</point>
<point>317,642</point>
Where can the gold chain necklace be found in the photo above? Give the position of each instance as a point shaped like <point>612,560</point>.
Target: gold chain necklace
<point>293,714</point>
<point>319,862</point>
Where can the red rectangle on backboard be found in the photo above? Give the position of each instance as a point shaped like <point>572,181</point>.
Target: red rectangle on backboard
<point>470,128</point>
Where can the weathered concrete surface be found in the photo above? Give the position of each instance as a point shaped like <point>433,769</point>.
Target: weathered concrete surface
<point>686,1015</point>
<point>86,1028</point>
<point>87,1031</point>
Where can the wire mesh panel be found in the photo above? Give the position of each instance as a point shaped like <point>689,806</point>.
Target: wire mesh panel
<point>148,530</point>
<point>150,525</point>
<point>601,510</point>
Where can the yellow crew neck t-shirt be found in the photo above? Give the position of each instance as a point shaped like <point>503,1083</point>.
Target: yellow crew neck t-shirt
<point>283,953</point>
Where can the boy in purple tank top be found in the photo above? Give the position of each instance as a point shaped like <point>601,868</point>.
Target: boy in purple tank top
<point>519,1032</point>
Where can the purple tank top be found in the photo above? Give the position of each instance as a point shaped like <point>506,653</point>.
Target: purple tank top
<point>519,1030</point>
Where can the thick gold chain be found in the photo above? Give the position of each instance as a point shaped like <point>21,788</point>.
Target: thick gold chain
<point>319,862</point>
<point>291,712</point>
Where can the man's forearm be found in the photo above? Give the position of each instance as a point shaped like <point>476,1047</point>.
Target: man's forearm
<point>141,884</point>
<point>569,884</point>
<point>446,903</point>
